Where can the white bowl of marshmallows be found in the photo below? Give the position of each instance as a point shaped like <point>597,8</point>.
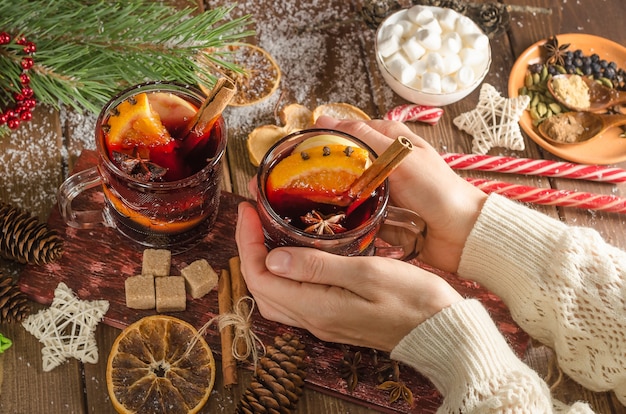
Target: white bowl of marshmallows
<point>432,55</point>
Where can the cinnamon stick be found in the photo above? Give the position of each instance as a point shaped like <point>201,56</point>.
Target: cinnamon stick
<point>376,173</point>
<point>212,107</point>
<point>225,303</point>
<point>239,290</point>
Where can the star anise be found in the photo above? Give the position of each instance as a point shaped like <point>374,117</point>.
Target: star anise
<point>138,168</point>
<point>397,390</point>
<point>555,53</point>
<point>350,367</point>
<point>323,224</point>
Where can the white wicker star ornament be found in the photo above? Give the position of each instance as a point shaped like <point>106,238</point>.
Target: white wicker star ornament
<point>67,328</point>
<point>495,121</point>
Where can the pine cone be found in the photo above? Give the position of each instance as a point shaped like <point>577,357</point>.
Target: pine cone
<point>375,11</point>
<point>24,239</point>
<point>278,381</point>
<point>13,303</point>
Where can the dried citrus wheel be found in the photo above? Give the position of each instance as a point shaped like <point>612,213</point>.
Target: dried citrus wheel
<point>318,174</point>
<point>151,368</point>
<point>340,110</point>
<point>260,77</point>
<point>135,123</point>
<point>296,117</point>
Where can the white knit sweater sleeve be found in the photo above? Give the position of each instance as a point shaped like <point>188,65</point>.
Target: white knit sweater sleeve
<point>462,352</point>
<point>565,286</point>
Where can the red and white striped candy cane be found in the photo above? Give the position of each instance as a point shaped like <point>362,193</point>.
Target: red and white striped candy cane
<point>528,166</point>
<point>552,197</point>
<point>411,112</point>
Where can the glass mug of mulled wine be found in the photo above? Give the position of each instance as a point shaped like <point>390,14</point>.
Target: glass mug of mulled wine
<point>160,180</point>
<point>299,181</point>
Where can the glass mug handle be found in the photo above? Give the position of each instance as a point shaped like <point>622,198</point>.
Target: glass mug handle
<point>404,231</point>
<point>73,187</point>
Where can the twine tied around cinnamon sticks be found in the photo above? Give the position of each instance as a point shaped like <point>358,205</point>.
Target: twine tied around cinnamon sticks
<point>236,306</point>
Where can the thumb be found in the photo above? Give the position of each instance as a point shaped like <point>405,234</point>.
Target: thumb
<point>313,266</point>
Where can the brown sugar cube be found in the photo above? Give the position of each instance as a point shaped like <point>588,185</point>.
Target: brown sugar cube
<point>140,292</point>
<point>170,294</point>
<point>200,278</point>
<point>156,262</point>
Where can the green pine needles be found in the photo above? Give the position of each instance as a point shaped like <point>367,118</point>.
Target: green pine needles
<point>89,50</point>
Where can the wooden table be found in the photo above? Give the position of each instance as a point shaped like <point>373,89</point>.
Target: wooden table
<point>326,54</point>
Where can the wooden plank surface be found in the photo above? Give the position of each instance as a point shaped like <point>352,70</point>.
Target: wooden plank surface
<point>326,54</point>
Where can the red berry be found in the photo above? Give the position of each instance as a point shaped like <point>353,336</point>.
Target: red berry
<point>27,92</point>
<point>13,123</point>
<point>29,103</point>
<point>4,38</point>
<point>27,63</point>
<point>24,79</point>
<point>30,48</point>
<point>3,119</point>
<point>21,41</point>
<point>26,116</point>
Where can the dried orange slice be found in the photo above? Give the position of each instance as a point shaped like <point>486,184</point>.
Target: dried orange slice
<point>317,174</point>
<point>152,370</point>
<point>296,117</point>
<point>135,123</point>
<point>261,74</point>
<point>340,110</point>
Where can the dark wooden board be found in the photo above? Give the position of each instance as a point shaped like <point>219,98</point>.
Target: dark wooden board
<point>96,262</point>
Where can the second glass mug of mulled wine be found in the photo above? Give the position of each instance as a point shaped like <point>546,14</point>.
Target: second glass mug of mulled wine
<point>160,175</point>
<point>298,181</point>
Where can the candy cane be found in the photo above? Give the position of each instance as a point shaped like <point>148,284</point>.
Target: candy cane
<point>410,112</point>
<point>529,166</point>
<point>552,197</point>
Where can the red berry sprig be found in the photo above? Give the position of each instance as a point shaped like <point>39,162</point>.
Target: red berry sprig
<point>24,99</point>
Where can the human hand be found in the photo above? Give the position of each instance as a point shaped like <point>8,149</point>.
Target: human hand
<point>365,301</point>
<point>424,183</point>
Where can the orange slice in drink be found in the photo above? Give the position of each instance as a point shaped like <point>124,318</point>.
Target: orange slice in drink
<point>135,123</point>
<point>318,174</point>
<point>160,364</point>
<point>150,223</point>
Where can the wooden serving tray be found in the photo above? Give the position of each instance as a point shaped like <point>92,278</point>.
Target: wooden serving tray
<point>96,262</point>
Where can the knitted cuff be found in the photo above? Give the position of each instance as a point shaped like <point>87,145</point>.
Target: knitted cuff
<point>509,247</point>
<point>458,348</point>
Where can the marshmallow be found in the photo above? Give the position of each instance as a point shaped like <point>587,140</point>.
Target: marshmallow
<point>407,27</point>
<point>392,30</point>
<point>451,44</point>
<point>420,67</point>
<point>435,63</point>
<point>448,84</point>
<point>419,14</point>
<point>447,19</point>
<point>432,25</point>
<point>400,68</point>
<point>464,76</point>
<point>451,63</point>
<point>472,57</point>
<point>476,40</point>
<point>430,40</point>
<point>388,46</point>
<point>465,25</point>
<point>413,49</point>
<point>431,82</point>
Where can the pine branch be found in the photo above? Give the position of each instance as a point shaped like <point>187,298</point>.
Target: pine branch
<point>89,50</point>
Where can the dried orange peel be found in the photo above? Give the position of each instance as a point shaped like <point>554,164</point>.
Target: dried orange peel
<point>160,364</point>
<point>260,75</point>
<point>296,117</point>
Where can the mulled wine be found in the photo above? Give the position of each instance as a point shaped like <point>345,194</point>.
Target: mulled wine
<point>160,178</point>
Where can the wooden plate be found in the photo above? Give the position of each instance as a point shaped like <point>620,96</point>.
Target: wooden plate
<point>606,149</point>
